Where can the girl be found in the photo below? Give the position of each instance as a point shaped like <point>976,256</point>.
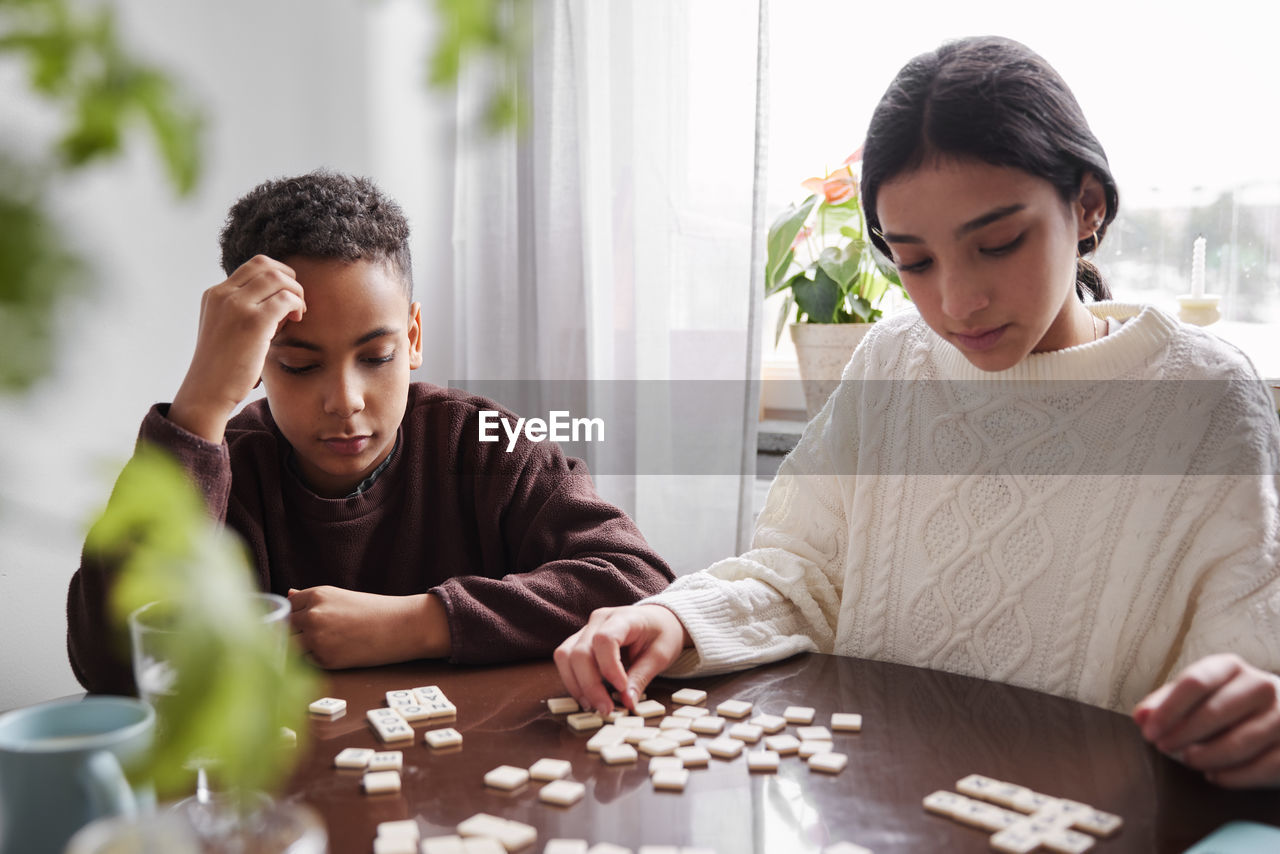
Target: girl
<point>1010,483</point>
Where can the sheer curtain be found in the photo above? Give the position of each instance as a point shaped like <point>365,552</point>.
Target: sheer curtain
<point>605,261</point>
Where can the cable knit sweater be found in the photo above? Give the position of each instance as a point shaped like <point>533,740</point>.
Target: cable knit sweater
<point>1085,523</point>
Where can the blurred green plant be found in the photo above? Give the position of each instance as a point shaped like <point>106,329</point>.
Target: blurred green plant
<point>491,37</point>
<point>237,680</point>
<point>76,63</point>
<point>819,253</point>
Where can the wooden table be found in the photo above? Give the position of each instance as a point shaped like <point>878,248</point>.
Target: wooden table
<point>922,731</point>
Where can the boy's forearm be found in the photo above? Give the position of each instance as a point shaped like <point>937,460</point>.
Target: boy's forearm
<point>198,417</point>
<point>427,625</point>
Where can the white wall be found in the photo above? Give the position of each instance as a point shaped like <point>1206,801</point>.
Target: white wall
<point>287,87</point>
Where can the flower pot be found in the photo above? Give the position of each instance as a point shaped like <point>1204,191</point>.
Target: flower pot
<point>822,350</point>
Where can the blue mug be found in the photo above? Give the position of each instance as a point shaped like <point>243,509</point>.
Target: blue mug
<point>62,765</point>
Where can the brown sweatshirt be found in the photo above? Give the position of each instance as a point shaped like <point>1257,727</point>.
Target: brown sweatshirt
<point>519,546</point>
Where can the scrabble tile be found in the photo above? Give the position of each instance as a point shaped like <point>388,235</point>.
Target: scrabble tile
<point>389,730</point>
<point>550,769</point>
<point>672,722</point>
<point>512,835</point>
<point>483,845</point>
<point>682,737</point>
<point>734,709</point>
<point>802,715</point>
<point>1058,813</point>
<point>783,744</point>
<point>1098,823</point>
<point>985,816</point>
<point>635,735</point>
<point>405,828</point>
<point>671,780</point>
<point>693,756</point>
<point>976,786</point>
<point>750,733</point>
<point>353,757</point>
<point>846,722</point>
<point>440,709</point>
<point>414,713</point>
<point>724,747</point>
<point>562,705</point>
<point>608,848</point>
<point>944,803</point>
<point>769,723</point>
<point>762,760</point>
<point>1064,840</point>
<point>629,721</point>
<point>401,698</point>
<point>327,706</point>
<point>604,737</point>
<point>451,844</point>
<point>506,777</point>
<point>1015,840</point>
<point>813,748</point>
<point>394,845</point>
<point>387,760</point>
<point>689,696</point>
<point>446,737</point>
<point>613,716</point>
<point>691,712</point>
<point>378,782</point>
<point>584,720</point>
<point>710,725</point>
<point>664,763</point>
<point>813,733</point>
<point>650,709</point>
<point>565,846</point>
<point>562,792</point>
<point>427,694</point>
<point>383,714</point>
<point>845,848</point>
<point>1028,801</point>
<point>618,754</point>
<point>831,763</point>
<point>657,746</point>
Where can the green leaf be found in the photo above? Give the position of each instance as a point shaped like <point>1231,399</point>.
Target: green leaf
<point>783,315</point>
<point>818,298</point>
<point>781,235</point>
<point>860,309</point>
<point>840,263</point>
<point>774,282</point>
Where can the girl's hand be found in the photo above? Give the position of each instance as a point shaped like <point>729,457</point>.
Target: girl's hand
<point>653,637</point>
<point>1221,716</point>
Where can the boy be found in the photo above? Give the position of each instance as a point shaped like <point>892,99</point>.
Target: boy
<point>366,498</point>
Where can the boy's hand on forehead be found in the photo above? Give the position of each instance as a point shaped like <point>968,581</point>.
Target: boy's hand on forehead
<point>238,319</point>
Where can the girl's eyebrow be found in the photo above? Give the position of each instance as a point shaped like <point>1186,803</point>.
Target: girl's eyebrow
<point>972,225</point>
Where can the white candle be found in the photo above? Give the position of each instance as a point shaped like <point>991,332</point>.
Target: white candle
<point>1197,268</point>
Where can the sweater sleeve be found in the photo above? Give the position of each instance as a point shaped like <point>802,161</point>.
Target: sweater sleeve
<point>98,650</point>
<point>1234,602</point>
<point>783,596</point>
<point>572,552</point>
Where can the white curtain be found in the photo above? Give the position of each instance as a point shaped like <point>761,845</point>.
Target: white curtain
<point>605,262</point>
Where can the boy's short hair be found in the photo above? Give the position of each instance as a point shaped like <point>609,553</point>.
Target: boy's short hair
<point>322,215</point>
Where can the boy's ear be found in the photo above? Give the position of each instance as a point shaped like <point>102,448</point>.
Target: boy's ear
<point>415,335</point>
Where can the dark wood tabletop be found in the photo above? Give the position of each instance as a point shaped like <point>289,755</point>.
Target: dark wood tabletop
<point>922,731</point>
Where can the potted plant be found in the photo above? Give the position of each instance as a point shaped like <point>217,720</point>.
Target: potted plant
<point>231,708</point>
<point>818,252</point>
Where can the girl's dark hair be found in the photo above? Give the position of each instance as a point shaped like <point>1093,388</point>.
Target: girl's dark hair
<point>995,100</point>
<point>322,214</point>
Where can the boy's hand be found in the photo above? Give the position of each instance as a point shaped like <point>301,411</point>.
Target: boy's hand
<point>238,319</point>
<point>1221,716</point>
<point>653,637</point>
<point>345,628</point>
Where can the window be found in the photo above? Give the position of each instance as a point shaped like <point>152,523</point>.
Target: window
<point>1179,94</point>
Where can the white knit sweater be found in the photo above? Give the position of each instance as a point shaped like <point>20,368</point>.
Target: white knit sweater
<point>1036,526</point>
